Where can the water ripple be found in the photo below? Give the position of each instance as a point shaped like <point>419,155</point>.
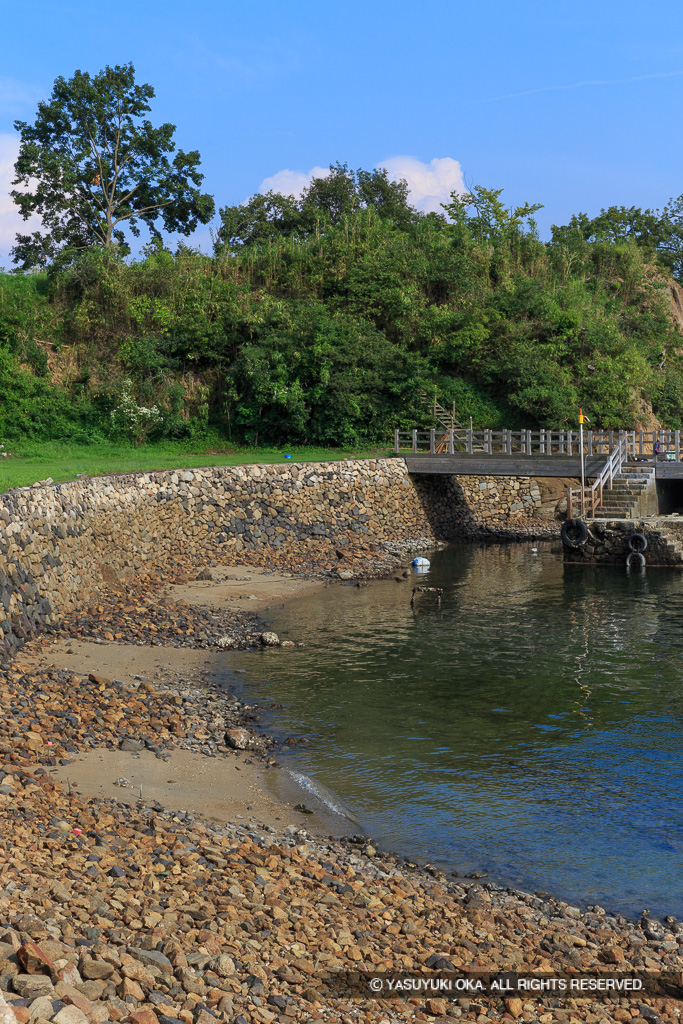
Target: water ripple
<point>532,725</point>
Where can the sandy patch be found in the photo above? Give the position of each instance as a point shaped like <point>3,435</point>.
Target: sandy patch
<point>122,662</point>
<point>228,789</point>
<point>241,588</point>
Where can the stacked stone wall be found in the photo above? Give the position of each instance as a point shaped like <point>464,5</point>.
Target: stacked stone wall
<point>61,544</point>
<point>607,542</point>
<point>487,499</point>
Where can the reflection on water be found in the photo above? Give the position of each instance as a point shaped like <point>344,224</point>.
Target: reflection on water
<point>531,726</point>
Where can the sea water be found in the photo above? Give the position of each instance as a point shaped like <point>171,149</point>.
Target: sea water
<point>530,725</point>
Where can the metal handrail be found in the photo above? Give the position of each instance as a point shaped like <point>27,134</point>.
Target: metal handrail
<point>606,475</point>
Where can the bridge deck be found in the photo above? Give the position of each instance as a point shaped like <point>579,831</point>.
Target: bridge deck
<point>522,465</point>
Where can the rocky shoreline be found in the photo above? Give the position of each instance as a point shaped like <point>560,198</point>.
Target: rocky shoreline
<point>111,910</point>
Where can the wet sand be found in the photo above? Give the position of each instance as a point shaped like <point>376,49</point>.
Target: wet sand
<point>234,787</point>
<point>228,790</point>
<point>241,588</point>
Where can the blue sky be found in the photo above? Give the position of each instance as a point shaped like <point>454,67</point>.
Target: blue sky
<point>575,106</point>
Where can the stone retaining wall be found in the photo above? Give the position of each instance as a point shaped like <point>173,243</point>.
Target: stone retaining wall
<point>608,541</point>
<point>61,544</point>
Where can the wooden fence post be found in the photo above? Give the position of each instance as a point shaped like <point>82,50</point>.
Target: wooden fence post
<point>414,441</point>
<point>396,441</point>
<point>451,448</point>
<point>432,441</point>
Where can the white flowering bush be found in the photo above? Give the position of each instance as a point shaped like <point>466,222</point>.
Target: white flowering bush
<point>135,421</point>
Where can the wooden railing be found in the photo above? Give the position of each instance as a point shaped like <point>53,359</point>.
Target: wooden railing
<point>639,443</point>
<point>590,498</point>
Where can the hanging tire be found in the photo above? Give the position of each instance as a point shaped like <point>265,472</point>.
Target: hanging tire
<point>574,533</point>
<point>637,542</point>
<point>635,558</point>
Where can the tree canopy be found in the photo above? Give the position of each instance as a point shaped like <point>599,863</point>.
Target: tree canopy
<point>659,232</point>
<point>324,202</point>
<point>92,167</point>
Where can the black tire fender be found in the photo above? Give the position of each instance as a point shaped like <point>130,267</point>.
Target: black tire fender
<point>635,556</point>
<point>637,543</point>
<point>574,533</point>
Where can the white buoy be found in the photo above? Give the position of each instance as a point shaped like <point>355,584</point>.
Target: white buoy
<point>422,562</point>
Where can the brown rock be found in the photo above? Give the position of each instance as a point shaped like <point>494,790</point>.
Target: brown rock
<point>69,974</point>
<point>130,988</point>
<point>191,981</point>
<point>139,973</point>
<point>30,986</point>
<point>514,1006</point>
<point>223,965</point>
<point>437,1007</point>
<point>33,740</point>
<point>73,997</point>
<point>143,1016</point>
<point>238,739</point>
<point>94,970</point>
<point>34,960</point>
<point>612,955</point>
<point>70,1015</point>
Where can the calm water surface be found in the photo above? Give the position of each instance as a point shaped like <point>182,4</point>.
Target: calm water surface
<point>532,726</point>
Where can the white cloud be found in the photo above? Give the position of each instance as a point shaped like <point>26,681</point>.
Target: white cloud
<point>291,183</point>
<point>10,218</point>
<point>430,183</point>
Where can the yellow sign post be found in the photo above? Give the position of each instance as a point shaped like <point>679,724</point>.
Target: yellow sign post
<point>582,419</point>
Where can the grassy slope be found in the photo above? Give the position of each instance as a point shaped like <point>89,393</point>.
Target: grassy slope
<point>31,463</point>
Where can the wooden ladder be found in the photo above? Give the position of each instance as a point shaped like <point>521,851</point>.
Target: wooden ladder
<point>445,419</point>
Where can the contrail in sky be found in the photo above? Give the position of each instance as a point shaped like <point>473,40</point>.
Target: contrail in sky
<point>580,85</point>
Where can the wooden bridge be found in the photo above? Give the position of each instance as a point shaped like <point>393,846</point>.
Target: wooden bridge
<point>535,452</point>
<point>544,453</point>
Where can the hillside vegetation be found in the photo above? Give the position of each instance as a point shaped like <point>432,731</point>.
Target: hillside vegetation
<point>321,321</point>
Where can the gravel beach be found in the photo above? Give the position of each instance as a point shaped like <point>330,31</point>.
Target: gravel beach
<point>165,907</point>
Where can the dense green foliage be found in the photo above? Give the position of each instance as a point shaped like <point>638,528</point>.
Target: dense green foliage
<point>321,320</point>
<point>658,232</point>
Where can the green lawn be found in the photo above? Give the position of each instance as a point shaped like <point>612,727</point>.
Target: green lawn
<point>31,462</point>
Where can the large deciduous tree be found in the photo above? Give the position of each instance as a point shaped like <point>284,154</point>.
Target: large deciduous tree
<point>91,166</point>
